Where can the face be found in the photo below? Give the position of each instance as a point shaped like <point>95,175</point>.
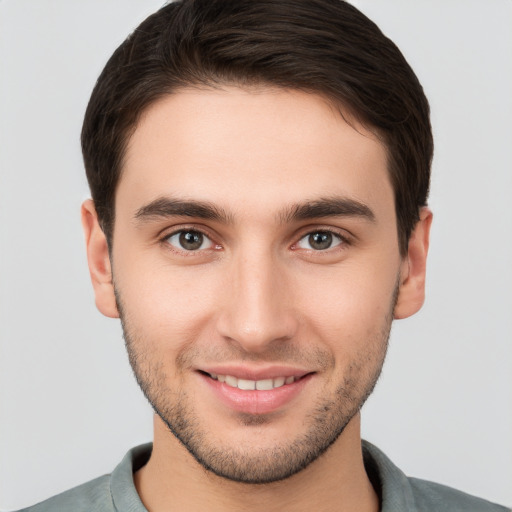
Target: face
<point>256,269</point>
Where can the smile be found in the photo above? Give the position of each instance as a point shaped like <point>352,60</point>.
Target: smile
<point>250,385</point>
<point>266,392</point>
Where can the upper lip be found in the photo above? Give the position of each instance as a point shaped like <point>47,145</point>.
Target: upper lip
<point>246,372</point>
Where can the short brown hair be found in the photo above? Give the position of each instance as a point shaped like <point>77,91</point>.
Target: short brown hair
<point>326,47</point>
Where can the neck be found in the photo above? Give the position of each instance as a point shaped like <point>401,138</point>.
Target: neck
<point>173,480</point>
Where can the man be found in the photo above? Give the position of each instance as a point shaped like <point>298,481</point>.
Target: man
<point>259,173</point>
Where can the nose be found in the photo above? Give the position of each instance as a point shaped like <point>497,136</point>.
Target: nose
<point>257,309</point>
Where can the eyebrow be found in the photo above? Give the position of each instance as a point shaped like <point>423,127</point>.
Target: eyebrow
<point>327,207</point>
<point>164,207</point>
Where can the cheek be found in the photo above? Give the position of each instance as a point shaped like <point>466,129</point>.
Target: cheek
<point>350,304</point>
<point>169,307</point>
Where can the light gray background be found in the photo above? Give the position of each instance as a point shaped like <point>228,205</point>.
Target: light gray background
<point>69,405</point>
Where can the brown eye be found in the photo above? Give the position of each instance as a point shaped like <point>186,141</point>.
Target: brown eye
<point>319,241</point>
<point>189,240</point>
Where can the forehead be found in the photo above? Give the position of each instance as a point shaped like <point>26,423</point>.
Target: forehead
<point>258,147</point>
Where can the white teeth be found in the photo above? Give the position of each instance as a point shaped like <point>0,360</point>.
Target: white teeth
<point>249,385</point>
<point>279,381</point>
<point>264,385</point>
<point>246,384</point>
<point>231,381</point>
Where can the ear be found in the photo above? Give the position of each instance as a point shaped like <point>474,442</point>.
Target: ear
<point>99,261</point>
<point>413,269</point>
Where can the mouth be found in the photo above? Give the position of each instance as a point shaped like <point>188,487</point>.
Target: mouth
<point>250,385</point>
<point>264,393</point>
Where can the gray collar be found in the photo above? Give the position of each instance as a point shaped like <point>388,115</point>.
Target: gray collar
<point>389,482</point>
<point>397,492</point>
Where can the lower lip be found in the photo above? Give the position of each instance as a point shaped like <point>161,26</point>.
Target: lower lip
<point>256,401</point>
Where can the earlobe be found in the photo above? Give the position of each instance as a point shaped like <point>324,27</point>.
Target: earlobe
<point>412,282</point>
<point>98,259</point>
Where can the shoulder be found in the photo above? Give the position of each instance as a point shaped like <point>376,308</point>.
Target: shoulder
<point>108,493</point>
<point>398,492</point>
<point>94,495</point>
<point>432,496</point>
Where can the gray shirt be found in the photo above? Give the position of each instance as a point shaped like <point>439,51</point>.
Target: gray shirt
<point>398,493</point>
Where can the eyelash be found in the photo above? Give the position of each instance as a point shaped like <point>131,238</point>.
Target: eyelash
<point>343,240</point>
<point>165,241</point>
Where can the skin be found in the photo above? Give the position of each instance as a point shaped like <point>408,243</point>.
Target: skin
<point>256,294</point>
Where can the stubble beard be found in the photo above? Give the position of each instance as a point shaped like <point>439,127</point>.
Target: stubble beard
<point>259,466</point>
